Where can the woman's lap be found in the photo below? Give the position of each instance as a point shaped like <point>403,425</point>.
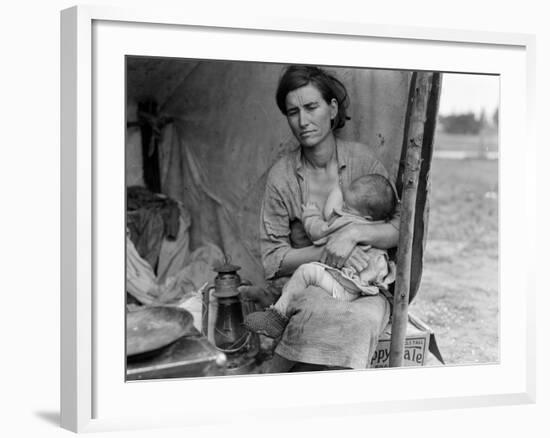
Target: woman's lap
<point>326,331</point>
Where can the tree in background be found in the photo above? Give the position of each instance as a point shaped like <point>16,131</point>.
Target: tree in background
<point>465,123</point>
<point>468,123</point>
<point>483,123</point>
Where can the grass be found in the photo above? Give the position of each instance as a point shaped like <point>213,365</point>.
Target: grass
<point>486,142</point>
<point>458,296</point>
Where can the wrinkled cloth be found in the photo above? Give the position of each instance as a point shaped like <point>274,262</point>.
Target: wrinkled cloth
<point>151,218</point>
<point>330,332</point>
<point>379,272</point>
<point>312,274</point>
<point>143,285</point>
<point>321,330</point>
<point>376,277</point>
<point>174,254</point>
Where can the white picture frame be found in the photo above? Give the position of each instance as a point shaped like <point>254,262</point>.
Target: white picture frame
<point>94,396</point>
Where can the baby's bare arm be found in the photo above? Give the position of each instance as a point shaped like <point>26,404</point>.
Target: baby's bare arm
<point>316,227</point>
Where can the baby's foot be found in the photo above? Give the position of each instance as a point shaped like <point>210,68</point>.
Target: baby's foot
<point>269,323</point>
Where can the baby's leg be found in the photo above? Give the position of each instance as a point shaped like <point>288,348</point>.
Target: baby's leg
<point>329,284</point>
<point>273,321</point>
<point>308,274</point>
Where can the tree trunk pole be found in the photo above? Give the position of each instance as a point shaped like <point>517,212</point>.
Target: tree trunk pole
<point>422,82</point>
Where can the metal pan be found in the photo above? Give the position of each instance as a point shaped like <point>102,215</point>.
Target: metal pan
<point>152,328</point>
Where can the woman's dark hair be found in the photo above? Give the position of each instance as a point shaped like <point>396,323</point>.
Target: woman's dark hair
<point>297,76</point>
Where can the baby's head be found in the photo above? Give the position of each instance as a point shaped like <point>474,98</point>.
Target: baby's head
<point>370,196</point>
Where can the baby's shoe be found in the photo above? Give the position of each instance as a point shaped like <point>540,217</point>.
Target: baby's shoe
<point>269,323</point>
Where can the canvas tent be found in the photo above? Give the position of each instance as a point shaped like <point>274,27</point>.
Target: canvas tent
<point>225,131</point>
<point>211,130</point>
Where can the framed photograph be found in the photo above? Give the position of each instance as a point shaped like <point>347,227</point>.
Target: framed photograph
<point>171,126</point>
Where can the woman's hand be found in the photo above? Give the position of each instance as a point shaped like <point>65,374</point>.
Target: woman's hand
<point>358,259</point>
<point>339,247</point>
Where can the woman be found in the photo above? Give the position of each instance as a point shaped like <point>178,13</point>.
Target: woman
<point>314,103</point>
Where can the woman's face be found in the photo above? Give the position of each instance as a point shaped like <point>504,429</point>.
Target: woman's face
<point>309,115</point>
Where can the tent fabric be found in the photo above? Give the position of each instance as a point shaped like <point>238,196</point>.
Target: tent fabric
<point>181,273</point>
<point>228,132</point>
<point>151,218</point>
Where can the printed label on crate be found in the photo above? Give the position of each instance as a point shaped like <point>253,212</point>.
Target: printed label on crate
<point>415,350</point>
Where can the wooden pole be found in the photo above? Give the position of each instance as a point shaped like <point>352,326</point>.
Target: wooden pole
<point>417,119</point>
<point>422,212</point>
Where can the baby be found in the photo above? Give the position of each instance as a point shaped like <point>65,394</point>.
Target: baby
<point>368,199</point>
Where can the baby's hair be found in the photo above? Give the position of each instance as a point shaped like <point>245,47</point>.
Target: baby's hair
<point>372,195</point>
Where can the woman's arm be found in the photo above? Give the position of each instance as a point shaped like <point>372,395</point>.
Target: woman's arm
<point>383,236</point>
<point>341,244</point>
<point>279,257</point>
<point>298,256</point>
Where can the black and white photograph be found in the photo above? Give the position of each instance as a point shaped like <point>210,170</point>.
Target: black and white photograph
<point>286,218</point>
<point>275,219</point>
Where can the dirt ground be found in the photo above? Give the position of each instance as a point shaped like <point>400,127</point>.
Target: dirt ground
<point>458,297</point>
